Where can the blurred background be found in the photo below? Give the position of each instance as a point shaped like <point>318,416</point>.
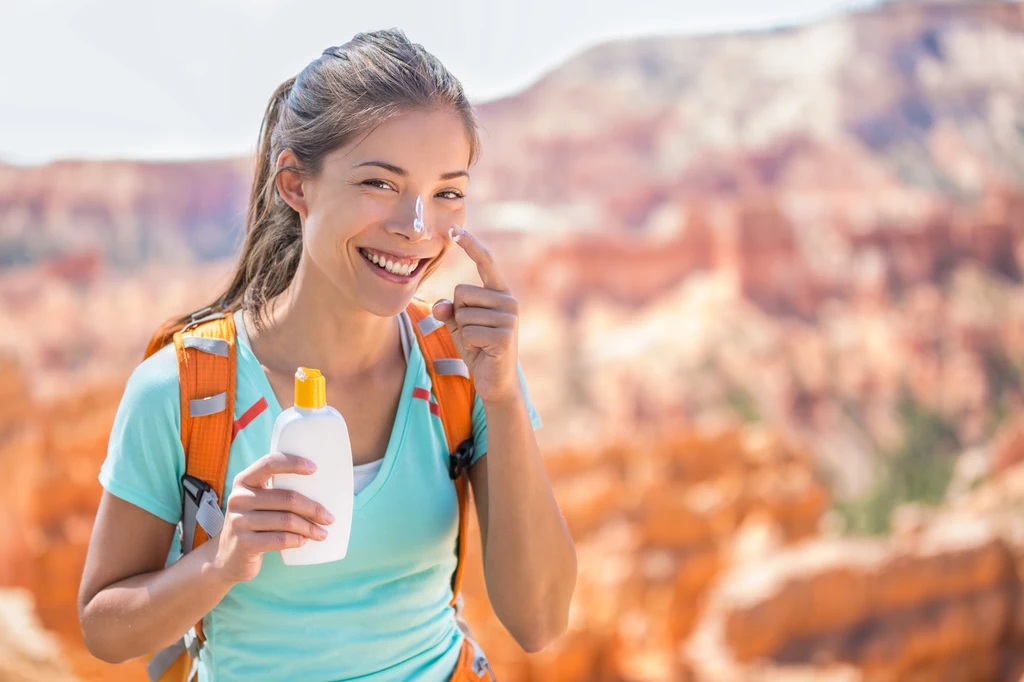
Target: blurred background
<point>771,265</point>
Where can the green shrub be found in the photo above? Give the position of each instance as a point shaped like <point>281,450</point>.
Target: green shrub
<point>918,470</point>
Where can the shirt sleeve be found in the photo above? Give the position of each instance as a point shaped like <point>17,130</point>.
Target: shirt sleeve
<point>145,459</point>
<point>480,419</point>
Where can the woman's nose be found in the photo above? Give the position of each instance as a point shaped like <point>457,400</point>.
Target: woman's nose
<point>413,225</point>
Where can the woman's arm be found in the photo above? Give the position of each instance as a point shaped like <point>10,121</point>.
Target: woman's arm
<point>529,556</point>
<point>129,605</point>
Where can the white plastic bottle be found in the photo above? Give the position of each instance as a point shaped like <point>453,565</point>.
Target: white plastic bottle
<point>315,430</point>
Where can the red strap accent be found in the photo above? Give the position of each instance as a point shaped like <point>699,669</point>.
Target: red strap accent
<point>424,394</point>
<point>249,415</point>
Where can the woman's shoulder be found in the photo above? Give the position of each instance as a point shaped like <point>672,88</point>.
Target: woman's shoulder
<point>155,379</point>
<point>145,459</point>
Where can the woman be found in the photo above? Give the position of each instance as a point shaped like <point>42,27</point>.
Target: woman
<point>363,157</point>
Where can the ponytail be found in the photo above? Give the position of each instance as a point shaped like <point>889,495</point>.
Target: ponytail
<point>273,233</point>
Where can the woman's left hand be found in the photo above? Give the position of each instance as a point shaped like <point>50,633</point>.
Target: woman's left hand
<point>484,322</point>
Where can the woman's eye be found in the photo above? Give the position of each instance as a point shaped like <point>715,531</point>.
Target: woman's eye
<point>450,194</point>
<point>382,184</point>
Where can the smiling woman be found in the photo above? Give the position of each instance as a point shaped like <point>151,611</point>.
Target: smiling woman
<point>359,195</point>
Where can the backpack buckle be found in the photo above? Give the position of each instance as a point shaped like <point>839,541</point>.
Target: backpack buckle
<point>200,316</point>
<point>458,461</point>
<point>199,508</point>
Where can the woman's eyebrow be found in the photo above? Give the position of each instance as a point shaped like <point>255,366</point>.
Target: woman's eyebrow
<point>401,172</point>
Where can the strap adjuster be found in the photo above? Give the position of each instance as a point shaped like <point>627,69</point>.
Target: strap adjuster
<point>458,461</point>
<point>200,316</point>
<point>199,508</point>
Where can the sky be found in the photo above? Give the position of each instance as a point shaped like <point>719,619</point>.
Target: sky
<point>130,79</point>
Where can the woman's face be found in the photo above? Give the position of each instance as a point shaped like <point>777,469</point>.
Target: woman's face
<point>363,207</point>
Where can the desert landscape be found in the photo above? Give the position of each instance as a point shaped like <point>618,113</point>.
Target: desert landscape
<point>772,290</point>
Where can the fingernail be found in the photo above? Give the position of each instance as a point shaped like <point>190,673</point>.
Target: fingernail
<point>455,232</point>
<point>310,466</point>
<point>329,516</point>
<point>320,533</point>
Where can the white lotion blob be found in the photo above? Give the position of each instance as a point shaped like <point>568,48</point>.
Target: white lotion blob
<point>417,224</point>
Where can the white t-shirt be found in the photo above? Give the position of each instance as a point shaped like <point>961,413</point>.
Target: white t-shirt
<point>364,474</point>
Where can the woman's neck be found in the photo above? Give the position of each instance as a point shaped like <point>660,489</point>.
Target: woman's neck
<point>311,325</point>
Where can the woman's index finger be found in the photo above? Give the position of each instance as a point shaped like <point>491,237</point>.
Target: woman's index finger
<point>490,275</point>
<point>260,471</point>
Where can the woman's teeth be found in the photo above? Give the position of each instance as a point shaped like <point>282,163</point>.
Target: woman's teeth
<point>402,269</point>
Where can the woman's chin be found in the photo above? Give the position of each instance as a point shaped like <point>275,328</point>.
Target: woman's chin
<point>386,305</point>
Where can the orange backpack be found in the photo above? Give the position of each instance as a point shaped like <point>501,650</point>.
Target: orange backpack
<point>206,350</point>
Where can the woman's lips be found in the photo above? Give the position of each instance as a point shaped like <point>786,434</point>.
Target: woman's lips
<point>385,274</point>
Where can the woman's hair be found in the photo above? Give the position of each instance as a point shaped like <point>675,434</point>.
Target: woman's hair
<point>348,91</point>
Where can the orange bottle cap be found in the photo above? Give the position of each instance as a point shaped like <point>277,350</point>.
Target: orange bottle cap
<point>310,388</point>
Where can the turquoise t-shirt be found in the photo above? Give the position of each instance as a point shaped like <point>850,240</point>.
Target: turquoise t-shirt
<point>382,612</point>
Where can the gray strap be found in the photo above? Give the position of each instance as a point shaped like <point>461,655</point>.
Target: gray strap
<point>164,659</point>
<point>192,645</point>
<point>451,367</point>
<point>241,334</point>
<point>405,332</point>
<point>204,407</point>
<point>209,516</point>
<point>206,514</point>
<point>188,525</point>
<point>480,663</point>
<point>204,315</point>
<point>429,325</point>
<point>207,345</point>
<point>193,672</point>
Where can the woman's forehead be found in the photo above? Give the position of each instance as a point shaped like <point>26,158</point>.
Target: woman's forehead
<point>431,142</point>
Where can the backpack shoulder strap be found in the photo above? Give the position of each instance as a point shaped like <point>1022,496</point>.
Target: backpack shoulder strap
<point>453,390</point>
<point>207,358</point>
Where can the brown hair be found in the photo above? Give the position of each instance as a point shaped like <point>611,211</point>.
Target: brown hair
<point>347,91</point>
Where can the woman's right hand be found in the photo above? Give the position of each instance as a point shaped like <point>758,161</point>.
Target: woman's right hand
<point>261,519</point>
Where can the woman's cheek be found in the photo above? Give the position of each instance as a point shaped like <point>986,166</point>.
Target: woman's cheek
<point>318,239</point>
<point>433,267</point>
<point>360,216</point>
<point>460,214</point>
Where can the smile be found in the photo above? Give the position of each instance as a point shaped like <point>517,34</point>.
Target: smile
<point>402,269</point>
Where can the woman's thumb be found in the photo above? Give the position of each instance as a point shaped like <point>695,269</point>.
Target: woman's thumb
<point>444,311</point>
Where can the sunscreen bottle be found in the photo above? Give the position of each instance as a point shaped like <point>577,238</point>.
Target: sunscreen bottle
<point>315,430</point>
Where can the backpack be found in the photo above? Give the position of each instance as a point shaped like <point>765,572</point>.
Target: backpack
<point>206,351</point>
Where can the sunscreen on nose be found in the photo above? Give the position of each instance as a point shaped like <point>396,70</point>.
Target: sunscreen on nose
<point>417,223</point>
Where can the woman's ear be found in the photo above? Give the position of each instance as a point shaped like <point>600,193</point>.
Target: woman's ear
<point>290,184</point>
